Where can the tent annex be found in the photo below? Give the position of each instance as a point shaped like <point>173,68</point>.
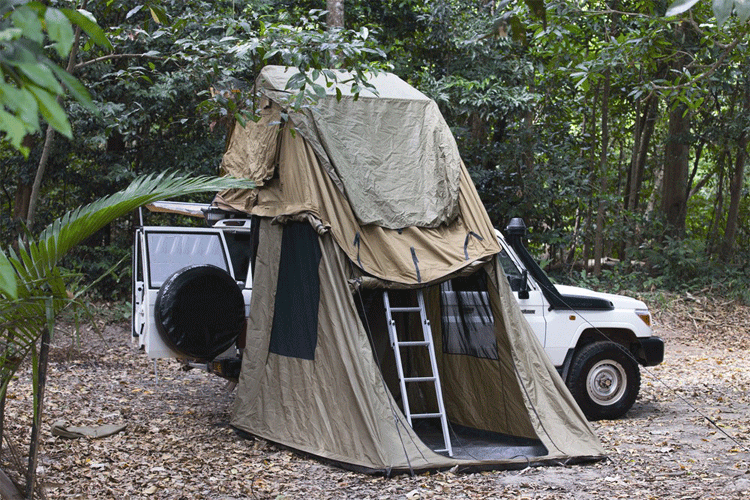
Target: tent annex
<point>359,201</point>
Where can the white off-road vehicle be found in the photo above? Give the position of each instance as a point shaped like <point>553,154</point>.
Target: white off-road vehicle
<point>595,340</point>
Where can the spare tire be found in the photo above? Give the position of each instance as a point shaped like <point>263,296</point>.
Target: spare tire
<point>200,311</point>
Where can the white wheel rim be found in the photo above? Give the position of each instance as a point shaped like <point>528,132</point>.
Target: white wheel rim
<point>606,382</point>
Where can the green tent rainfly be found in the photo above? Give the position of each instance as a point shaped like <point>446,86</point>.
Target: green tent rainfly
<point>356,198</point>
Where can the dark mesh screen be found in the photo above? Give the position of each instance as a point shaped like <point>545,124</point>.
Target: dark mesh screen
<point>468,325</point>
<point>295,316</point>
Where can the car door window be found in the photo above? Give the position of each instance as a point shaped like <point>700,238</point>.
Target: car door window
<point>169,252</point>
<point>240,246</point>
<point>512,272</point>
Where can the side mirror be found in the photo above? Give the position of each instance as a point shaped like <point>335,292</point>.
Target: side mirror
<point>523,292</point>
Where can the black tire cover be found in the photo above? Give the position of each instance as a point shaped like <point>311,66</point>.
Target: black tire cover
<point>200,311</point>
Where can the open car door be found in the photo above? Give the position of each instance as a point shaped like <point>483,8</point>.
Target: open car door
<point>191,289</point>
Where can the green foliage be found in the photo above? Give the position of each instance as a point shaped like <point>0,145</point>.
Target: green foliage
<point>669,264</point>
<point>8,284</point>
<point>31,82</point>
<point>304,44</point>
<point>679,262</point>
<point>106,266</point>
<point>175,77</point>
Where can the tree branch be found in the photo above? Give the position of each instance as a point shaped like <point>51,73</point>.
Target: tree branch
<point>710,71</point>
<point>612,11</point>
<point>115,56</point>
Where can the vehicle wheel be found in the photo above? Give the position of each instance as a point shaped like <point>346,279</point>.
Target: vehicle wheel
<point>200,311</point>
<point>604,379</point>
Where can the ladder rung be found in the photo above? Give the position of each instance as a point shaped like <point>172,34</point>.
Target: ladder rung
<point>444,450</point>
<point>419,379</point>
<point>406,309</point>
<point>412,343</point>
<point>426,415</point>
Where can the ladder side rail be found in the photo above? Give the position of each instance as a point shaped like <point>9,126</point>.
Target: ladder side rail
<point>397,353</point>
<point>427,332</point>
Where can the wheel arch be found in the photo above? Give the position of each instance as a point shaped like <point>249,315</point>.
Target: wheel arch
<point>622,336</point>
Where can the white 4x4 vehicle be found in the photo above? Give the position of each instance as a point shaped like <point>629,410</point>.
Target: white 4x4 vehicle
<point>595,340</point>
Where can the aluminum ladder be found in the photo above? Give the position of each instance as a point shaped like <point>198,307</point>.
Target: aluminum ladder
<point>433,377</point>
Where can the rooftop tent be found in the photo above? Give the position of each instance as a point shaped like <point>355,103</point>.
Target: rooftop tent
<point>361,198</point>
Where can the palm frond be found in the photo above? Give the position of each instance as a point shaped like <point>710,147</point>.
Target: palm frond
<point>39,291</point>
<point>8,283</point>
<point>75,226</point>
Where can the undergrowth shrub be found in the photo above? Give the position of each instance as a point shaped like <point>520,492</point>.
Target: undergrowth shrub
<point>676,266</point>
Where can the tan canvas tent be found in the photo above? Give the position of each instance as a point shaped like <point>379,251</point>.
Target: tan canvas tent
<point>358,199</point>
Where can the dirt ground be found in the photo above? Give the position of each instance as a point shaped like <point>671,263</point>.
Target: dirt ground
<point>685,438</point>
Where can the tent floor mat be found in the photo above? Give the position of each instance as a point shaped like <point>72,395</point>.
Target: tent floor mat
<point>474,444</point>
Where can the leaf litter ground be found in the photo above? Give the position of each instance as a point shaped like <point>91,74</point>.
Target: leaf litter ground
<point>178,443</point>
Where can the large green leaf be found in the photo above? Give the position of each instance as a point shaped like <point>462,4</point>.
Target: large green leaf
<point>26,107</point>
<point>14,129</point>
<point>79,224</point>
<point>159,15</point>
<point>722,10</point>
<point>59,31</point>
<point>51,110</point>
<point>28,21</point>
<point>76,89</point>
<point>42,76</point>
<point>8,285</point>
<point>742,7</point>
<point>679,6</point>
<point>85,20</point>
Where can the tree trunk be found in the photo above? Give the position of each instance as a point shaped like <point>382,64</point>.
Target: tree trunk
<point>676,168</point>
<point>40,169</point>
<point>588,221</point>
<point>677,149</point>
<point>694,172</point>
<point>50,135</point>
<point>22,199</point>
<point>735,187</point>
<point>644,129</point>
<point>599,230</point>
<point>335,18</point>
<point>627,193</point>
<point>713,231</point>
<point>36,424</point>
<point>644,132</point>
<point>735,196</point>
<point>658,183</point>
<point>570,258</point>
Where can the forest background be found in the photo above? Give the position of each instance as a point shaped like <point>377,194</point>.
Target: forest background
<point>613,130</point>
